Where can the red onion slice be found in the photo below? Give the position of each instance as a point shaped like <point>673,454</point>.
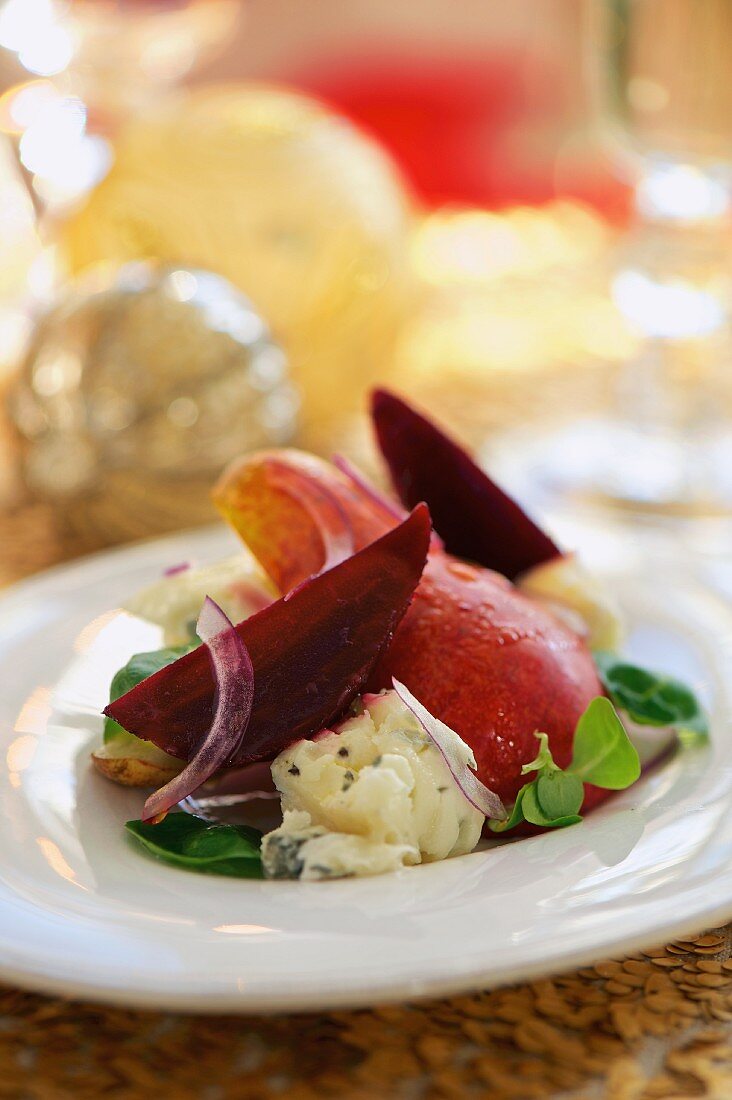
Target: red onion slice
<point>212,802</point>
<point>251,783</point>
<point>234,678</point>
<point>174,570</point>
<point>325,510</point>
<point>477,794</point>
<point>389,507</point>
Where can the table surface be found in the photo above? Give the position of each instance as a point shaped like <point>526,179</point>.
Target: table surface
<point>656,1025</point>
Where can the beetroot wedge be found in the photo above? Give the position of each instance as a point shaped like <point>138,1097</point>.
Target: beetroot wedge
<point>475,518</point>
<point>311,654</point>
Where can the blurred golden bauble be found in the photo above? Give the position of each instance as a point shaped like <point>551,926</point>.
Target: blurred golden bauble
<point>287,200</point>
<point>137,390</point>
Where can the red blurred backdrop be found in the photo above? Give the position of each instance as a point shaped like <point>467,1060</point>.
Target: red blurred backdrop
<point>480,101</point>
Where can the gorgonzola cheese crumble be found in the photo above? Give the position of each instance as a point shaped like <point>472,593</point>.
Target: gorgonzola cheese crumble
<point>174,602</point>
<point>370,796</point>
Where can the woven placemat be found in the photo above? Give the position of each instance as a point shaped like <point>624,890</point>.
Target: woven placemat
<point>657,1025</point>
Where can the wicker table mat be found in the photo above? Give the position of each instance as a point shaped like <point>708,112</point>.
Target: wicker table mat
<point>653,1026</point>
<point>657,1025</point>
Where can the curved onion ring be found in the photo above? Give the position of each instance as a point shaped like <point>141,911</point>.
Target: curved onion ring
<point>325,510</point>
<point>234,678</point>
<point>174,570</point>
<point>477,794</point>
<point>389,507</point>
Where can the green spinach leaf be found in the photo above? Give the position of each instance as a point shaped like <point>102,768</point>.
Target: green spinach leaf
<point>137,669</point>
<point>652,699</point>
<point>198,845</point>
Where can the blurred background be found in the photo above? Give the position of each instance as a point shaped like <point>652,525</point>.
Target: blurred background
<point>224,220</point>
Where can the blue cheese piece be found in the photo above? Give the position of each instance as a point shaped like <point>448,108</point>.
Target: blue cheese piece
<point>281,849</point>
<point>371,796</point>
<point>174,602</point>
<point>299,849</point>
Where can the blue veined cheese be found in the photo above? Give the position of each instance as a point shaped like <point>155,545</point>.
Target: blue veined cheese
<point>174,602</point>
<point>565,585</point>
<point>373,795</point>
<point>299,849</point>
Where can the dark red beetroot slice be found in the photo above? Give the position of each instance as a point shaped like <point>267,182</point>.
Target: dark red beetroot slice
<point>475,518</point>
<point>311,653</point>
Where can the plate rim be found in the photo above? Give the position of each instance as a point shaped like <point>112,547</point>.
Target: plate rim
<point>367,996</point>
<point>382,990</point>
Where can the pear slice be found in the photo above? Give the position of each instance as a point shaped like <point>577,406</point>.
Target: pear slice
<point>566,583</point>
<point>132,762</point>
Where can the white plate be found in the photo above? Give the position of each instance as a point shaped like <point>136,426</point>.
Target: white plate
<point>83,912</point>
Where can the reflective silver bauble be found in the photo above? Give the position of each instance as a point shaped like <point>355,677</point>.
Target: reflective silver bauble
<point>135,392</point>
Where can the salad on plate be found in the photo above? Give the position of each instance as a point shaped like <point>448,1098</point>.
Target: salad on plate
<point>394,679</point>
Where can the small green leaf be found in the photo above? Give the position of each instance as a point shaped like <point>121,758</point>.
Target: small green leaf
<point>137,669</point>
<point>603,753</point>
<point>544,761</point>
<point>559,794</point>
<point>197,845</point>
<point>528,808</point>
<point>534,813</point>
<point>514,818</point>
<point>650,698</point>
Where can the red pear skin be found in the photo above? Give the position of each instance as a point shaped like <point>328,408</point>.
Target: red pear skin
<point>494,666</point>
<point>489,661</point>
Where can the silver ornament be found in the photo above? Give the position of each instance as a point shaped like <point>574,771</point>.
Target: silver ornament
<point>135,392</point>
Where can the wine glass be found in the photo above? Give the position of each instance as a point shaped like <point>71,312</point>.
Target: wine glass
<point>659,75</point>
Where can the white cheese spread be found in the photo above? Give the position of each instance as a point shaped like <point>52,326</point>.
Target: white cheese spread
<point>370,796</point>
<point>174,602</point>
